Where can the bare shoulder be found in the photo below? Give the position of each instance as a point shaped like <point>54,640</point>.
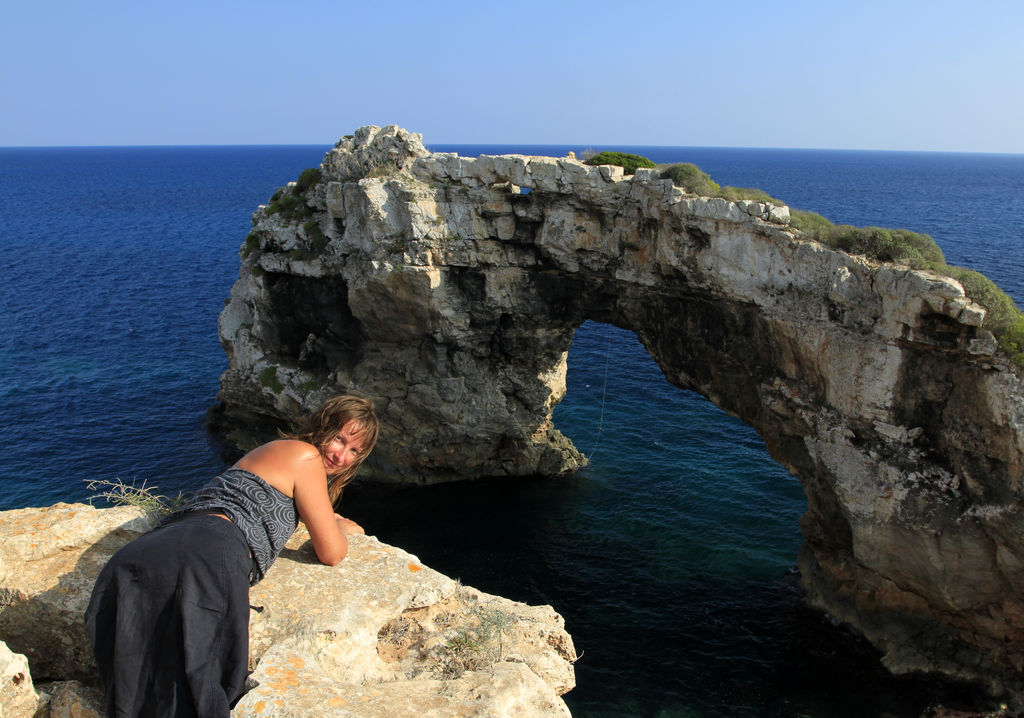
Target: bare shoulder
<point>283,462</point>
<point>287,449</point>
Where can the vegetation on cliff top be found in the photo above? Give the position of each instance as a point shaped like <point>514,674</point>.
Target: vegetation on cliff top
<point>919,251</point>
<point>307,178</point>
<point>268,379</point>
<point>691,178</point>
<point>118,493</point>
<point>290,202</point>
<point>899,246</point>
<point>626,160</point>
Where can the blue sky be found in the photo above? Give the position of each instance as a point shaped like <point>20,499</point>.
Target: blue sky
<point>896,75</point>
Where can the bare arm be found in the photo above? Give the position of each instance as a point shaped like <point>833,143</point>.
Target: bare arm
<point>314,506</point>
<point>297,469</point>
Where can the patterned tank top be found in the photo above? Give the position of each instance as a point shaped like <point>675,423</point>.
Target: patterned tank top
<point>266,517</point>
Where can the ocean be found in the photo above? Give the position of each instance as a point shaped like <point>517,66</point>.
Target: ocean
<point>671,556</point>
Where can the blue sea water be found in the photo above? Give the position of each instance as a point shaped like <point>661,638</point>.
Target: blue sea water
<point>670,556</point>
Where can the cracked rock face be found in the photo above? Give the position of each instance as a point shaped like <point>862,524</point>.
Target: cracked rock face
<point>439,287</point>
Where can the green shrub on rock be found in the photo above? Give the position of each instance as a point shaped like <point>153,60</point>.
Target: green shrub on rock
<point>118,493</point>
<point>626,160</point>
<point>291,202</point>
<point>919,251</point>
<point>316,236</point>
<point>737,193</point>
<point>693,179</point>
<point>268,379</point>
<point>811,224</point>
<point>900,246</point>
<point>285,204</point>
<point>1003,318</point>
<point>252,243</point>
<point>309,177</point>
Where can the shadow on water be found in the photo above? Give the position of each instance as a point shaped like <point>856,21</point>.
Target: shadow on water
<point>670,557</point>
<point>654,641</point>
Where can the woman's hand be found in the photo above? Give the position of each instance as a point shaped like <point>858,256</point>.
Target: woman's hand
<point>348,526</point>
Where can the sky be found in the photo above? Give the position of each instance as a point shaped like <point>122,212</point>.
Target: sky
<point>864,74</point>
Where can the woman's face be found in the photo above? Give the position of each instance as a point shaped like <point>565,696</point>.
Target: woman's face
<point>344,448</point>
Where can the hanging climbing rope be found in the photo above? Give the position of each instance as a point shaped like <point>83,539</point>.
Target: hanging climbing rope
<point>604,390</point>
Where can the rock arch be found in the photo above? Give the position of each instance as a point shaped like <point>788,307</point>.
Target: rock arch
<point>433,283</point>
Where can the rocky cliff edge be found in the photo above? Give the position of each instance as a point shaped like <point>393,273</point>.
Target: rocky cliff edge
<point>378,635</point>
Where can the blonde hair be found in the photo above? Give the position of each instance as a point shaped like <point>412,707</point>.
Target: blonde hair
<point>322,427</point>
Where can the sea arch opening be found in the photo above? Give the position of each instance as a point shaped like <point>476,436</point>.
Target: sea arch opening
<point>642,434</point>
<point>696,534</point>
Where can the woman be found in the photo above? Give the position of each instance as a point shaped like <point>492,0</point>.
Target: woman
<point>169,616</point>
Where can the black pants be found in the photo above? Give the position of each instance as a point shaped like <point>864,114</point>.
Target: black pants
<point>169,621</point>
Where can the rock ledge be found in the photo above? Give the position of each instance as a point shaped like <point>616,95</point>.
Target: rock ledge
<point>378,635</point>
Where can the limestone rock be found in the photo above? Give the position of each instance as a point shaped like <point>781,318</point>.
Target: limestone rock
<point>298,689</point>
<point>378,624</point>
<point>372,148</point>
<point>18,698</point>
<point>449,291</point>
<point>369,632</point>
<point>71,699</point>
<point>49,560</point>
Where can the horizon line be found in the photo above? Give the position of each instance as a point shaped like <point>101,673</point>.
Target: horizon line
<point>562,145</point>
